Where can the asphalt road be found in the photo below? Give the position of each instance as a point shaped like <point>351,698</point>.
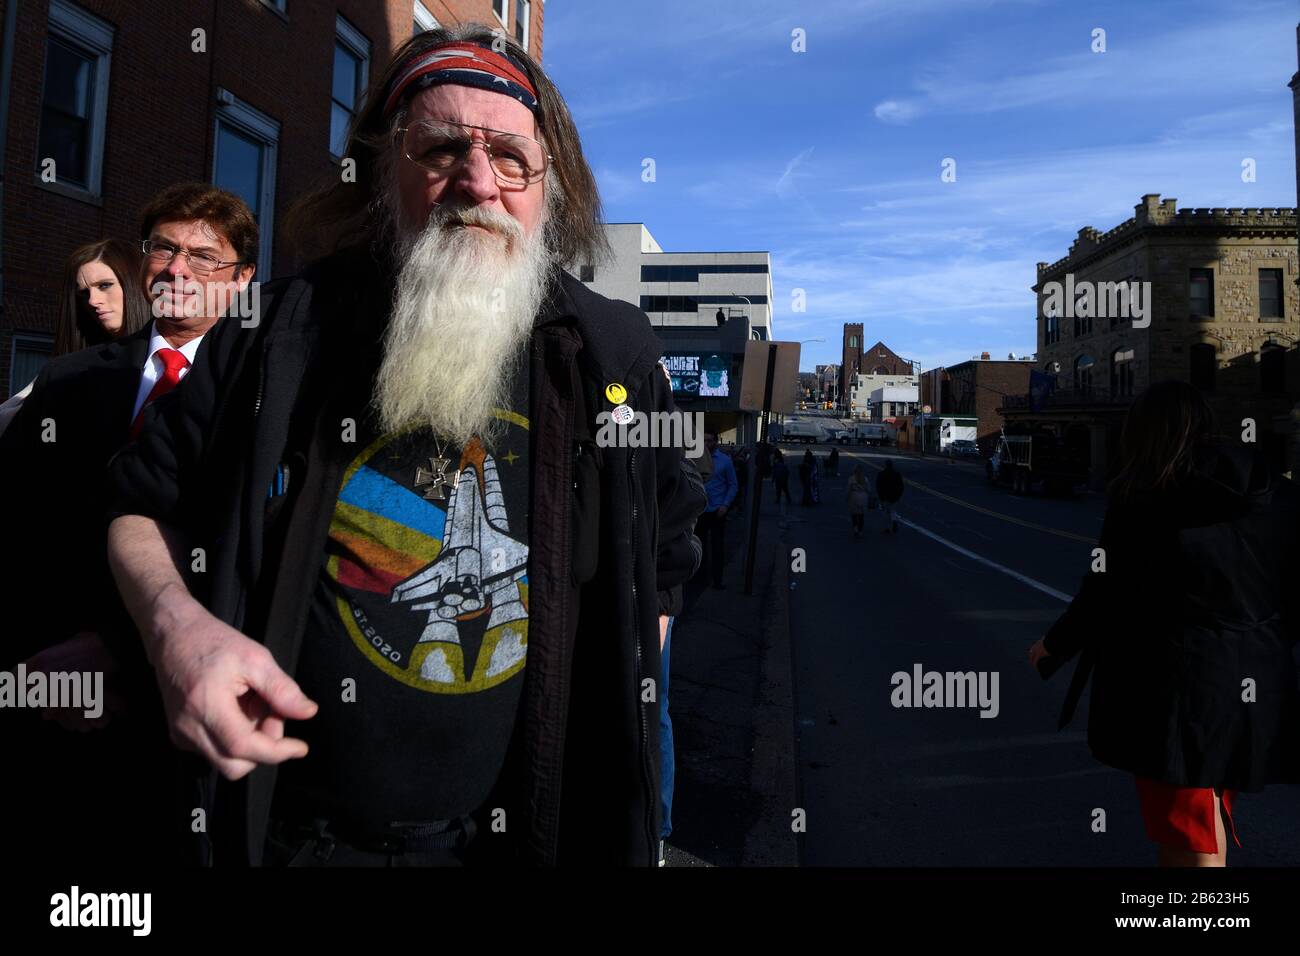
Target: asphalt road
<point>972,579</point>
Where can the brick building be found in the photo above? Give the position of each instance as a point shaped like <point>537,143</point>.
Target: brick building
<point>1224,315</point>
<point>850,359</point>
<point>979,388</point>
<point>115,99</point>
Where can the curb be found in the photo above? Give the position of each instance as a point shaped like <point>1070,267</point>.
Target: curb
<point>773,779</point>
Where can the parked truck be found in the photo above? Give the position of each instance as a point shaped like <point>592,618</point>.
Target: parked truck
<point>1041,457</point>
<point>873,433</point>
<point>798,429</point>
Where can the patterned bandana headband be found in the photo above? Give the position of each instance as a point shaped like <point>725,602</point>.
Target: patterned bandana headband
<point>465,64</point>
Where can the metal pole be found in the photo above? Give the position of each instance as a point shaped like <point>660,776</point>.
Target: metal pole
<point>758,481</point>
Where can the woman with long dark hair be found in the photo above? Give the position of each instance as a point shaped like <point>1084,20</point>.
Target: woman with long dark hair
<point>100,296</point>
<point>100,300</point>
<point>1187,622</point>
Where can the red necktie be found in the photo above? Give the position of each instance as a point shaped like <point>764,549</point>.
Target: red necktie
<point>173,364</point>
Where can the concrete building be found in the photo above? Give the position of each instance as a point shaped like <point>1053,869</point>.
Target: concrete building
<point>704,306</point>
<point>113,101</point>
<point>865,385</point>
<point>1224,315</point>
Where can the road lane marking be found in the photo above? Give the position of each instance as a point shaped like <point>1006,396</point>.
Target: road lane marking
<point>1023,579</point>
<point>996,514</point>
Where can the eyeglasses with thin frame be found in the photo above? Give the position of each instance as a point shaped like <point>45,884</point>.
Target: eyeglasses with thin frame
<point>200,262</point>
<point>443,147</point>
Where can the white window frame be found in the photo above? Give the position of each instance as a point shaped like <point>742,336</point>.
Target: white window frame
<point>253,123</point>
<point>18,341</point>
<point>424,20</point>
<point>524,11</point>
<point>502,10</point>
<point>354,40</point>
<point>93,36</point>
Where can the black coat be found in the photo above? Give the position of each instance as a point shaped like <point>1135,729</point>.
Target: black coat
<point>611,528</point>
<point>55,581</point>
<point>1198,599</point>
<point>889,485</point>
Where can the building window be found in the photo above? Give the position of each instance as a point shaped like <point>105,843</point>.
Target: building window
<point>1121,373</point>
<point>1270,295</point>
<point>1203,364</point>
<point>277,5</point>
<point>502,9</point>
<point>1051,327</point>
<point>1083,366</point>
<point>686,273</point>
<point>243,161</point>
<point>853,341</point>
<point>1200,294</point>
<point>1082,325</point>
<point>30,353</point>
<point>523,13</point>
<point>351,73</point>
<point>74,99</point>
<point>587,274</point>
<point>1272,369</point>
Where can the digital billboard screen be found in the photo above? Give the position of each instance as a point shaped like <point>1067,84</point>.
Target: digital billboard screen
<point>703,374</point>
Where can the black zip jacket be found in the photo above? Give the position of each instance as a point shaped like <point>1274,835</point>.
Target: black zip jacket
<point>611,529</point>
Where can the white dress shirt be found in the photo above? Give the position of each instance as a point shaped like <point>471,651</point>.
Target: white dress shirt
<point>153,365</point>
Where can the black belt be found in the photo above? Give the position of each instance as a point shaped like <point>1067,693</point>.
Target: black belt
<point>320,836</point>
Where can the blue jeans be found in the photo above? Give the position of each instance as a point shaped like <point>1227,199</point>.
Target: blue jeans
<point>667,763</point>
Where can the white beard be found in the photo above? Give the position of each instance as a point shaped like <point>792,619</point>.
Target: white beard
<point>463,312</point>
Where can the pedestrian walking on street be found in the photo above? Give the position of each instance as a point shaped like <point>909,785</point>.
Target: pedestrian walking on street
<point>857,493</point>
<point>833,463</point>
<point>740,461</point>
<point>711,526</point>
<point>889,488</point>
<point>1188,633</point>
<point>780,476</point>
<point>808,479</point>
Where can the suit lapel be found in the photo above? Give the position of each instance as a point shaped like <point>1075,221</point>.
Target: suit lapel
<point>126,361</point>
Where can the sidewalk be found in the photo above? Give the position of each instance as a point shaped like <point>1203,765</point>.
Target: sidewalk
<point>731,701</point>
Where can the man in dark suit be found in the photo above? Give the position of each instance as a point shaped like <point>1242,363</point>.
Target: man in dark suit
<point>62,609</point>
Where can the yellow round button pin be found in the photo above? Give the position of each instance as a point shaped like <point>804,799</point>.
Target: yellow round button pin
<point>616,393</point>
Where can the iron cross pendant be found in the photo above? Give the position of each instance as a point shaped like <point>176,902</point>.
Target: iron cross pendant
<point>436,477</point>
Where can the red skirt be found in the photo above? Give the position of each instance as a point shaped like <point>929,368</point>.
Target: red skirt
<point>1183,817</point>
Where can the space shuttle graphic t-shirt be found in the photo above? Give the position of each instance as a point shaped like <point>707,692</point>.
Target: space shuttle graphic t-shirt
<point>418,632</point>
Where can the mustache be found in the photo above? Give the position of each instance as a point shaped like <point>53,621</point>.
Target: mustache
<point>490,219</point>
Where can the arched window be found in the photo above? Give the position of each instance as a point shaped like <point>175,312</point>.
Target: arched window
<point>1272,369</point>
<point>1121,373</point>
<point>1203,362</point>
<point>1083,367</point>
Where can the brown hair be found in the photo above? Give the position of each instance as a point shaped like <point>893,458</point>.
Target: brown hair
<point>339,214</point>
<point>223,211</point>
<point>1164,425</point>
<point>77,329</point>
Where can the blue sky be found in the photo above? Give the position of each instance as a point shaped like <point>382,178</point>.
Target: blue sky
<point>830,159</point>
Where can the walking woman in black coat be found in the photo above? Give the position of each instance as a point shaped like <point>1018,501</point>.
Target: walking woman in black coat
<point>1189,631</point>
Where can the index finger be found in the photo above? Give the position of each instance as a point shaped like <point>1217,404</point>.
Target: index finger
<point>236,738</point>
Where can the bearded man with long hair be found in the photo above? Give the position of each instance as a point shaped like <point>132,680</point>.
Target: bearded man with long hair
<point>430,600</point>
